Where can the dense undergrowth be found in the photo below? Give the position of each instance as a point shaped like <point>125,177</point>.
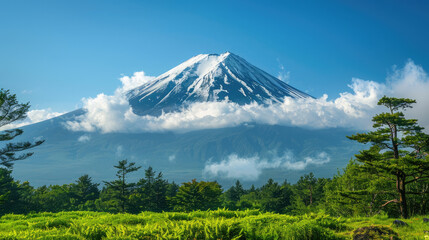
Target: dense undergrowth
<point>219,224</point>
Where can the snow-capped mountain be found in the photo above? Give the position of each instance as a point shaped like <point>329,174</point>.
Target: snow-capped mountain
<point>67,155</point>
<point>210,77</point>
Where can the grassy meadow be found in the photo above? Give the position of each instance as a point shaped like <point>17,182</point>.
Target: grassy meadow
<point>219,224</point>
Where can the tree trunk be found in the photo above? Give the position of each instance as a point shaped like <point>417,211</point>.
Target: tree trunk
<point>400,185</point>
<point>123,191</point>
<point>423,202</point>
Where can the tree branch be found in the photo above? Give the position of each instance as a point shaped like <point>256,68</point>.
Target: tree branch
<point>416,179</point>
<point>388,202</point>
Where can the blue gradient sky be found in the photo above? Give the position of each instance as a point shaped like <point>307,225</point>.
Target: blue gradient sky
<point>53,53</point>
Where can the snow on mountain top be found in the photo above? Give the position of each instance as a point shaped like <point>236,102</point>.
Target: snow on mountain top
<point>209,77</point>
<point>203,62</point>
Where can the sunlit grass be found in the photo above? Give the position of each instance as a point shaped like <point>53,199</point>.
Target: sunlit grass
<point>219,224</point>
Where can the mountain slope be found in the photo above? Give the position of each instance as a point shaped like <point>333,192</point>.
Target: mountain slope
<point>181,157</point>
<point>209,77</point>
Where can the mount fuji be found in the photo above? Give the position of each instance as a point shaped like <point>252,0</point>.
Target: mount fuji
<point>66,154</point>
<point>210,77</point>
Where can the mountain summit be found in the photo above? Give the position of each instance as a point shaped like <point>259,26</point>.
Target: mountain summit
<point>209,77</point>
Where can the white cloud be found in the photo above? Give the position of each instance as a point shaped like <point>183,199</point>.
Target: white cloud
<point>25,91</point>
<point>104,112</point>
<point>33,116</point>
<point>320,159</point>
<point>138,79</point>
<point>248,169</point>
<point>234,167</point>
<point>412,82</point>
<point>108,113</point>
<point>84,138</point>
<point>352,109</point>
<point>172,158</point>
<point>119,151</point>
<point>113,113</point>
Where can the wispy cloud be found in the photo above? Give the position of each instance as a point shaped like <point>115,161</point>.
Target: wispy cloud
<point>33,116</point>
<point>172,158</point>
<point>250,168</point>
<point>84,138</point>
<point>283,75</point>
<point>352,109</point>
<point>119,151</point>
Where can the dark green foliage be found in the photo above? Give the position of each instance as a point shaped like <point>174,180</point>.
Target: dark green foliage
<point>197,195</point>
<point>54,198</point>
<point>233,195</point>
<point>308,194</point>
<point>15,197</point>
<point>8,192</point>
<point>357,193</point>
<point>275,197</point>
<point>84,191</point>
<point>418,204</point>
<point>10,111</point>
<point>399,150</point>
<point>151,192</point>
<point>117,192</point>
<point>172,190</point>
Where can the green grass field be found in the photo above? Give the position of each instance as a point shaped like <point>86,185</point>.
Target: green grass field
<point>219,224</point>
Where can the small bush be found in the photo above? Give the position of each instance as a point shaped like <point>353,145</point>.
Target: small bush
<point>375,232</point>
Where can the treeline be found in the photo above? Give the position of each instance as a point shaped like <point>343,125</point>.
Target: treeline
<point>154,193</point>
<point>339,196</point>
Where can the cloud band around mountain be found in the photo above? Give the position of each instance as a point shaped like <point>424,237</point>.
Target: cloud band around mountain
<point>112,113</point>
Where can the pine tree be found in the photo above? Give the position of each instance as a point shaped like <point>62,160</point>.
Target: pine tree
<point>150,193</point>
<point>275,197</point>
<point>8,191</point>
<point>355,192</point>
<point>198,196</point>
<point>172,190</point>
<point>10,111</point>
<point>399,150</point>
<point>306,187</point>
<point>85,190</point>
<point>233,195</point>
<point>119,189</point>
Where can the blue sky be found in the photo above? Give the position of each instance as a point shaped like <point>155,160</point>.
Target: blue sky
<point>53,53</point>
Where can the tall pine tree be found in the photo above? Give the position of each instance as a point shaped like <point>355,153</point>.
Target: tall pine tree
<point>399,150</point>
<point>119,189</point>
